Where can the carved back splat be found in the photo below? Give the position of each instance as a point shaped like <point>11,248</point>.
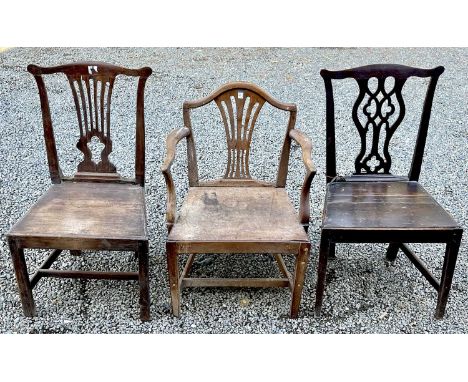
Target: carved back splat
<point>239,110</point>
<point>239,104</point>
<point>91,85</point>
<point>377,112</point>
<point>378,109</point>
<point>92,95</point>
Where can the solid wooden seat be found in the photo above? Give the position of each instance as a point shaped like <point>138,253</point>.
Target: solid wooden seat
<point>96,208</point>
<point>383,205</point>
<point>86,210</point>
<point>237,214</point>
<point>372,205</point>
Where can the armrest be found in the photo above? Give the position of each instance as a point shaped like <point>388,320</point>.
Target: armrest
<point>172,139</point>
<point>306,147</point>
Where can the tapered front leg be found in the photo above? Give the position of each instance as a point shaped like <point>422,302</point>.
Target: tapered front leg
<point>173,270</point>
<point>299,277</point>
<point>451,253</point>
<point>143,279</point>
<point>321,273</point>
<point>22,278</point>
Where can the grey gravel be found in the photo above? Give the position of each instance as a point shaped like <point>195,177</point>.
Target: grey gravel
<point>364,293</point>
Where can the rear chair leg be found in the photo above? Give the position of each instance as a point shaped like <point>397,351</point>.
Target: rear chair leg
<point>392,252</point>
<point>173,270</point>
<point>299,276</point>
<point>143,278</point>
<point>451,253</point>
<point>331,251</point>
<point>321,273</point>
<point>22,278</point>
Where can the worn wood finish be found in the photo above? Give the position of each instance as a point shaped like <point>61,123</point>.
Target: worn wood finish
<point>373,205</point>
<point>306,145</point>
<point>88,274</point>
<point>235,283</point>
<point>171,142</point>
<point>448,269</point>
<point>45,265</point>
<point>86,210</point>
<point>143,279</point>
<point>299,277</point>
<point>237,214</point>
<point>370,104</point>
<point>174,282</point>
<point>231,214</point>
<point>398,205</point>
<point>22,278</point>
<point>95,209</point>
<point>284,270</point>
<point>91,85</point>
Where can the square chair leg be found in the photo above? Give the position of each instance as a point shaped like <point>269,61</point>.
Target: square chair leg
<point>392,252</point>
<point>22,278</point>
<point>143,279</point>
<point>173,270</point>
<point>451,253</point>
<point>321,273</point>
<point>299,276</point>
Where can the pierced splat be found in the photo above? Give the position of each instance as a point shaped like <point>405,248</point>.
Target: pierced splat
<point>91,86</point>
<point>239,110</point>
<point>92,95</point>
<point>377,111</point>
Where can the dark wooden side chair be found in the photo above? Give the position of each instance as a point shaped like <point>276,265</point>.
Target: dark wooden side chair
<point>96,209</point>
<point>238,214</point>
<point>372,205</point>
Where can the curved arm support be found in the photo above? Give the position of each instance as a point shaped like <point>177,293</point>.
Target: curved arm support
<point>306,146</point>
<point>171,142</point>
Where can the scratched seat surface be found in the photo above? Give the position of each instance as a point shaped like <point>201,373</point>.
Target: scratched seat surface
<point>86,210</point>
<point>381,205</point>
<point>237,214</point>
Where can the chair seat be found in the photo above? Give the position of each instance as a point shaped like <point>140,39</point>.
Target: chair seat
<point>86,210</point>
<point>383,205</point>
<point>237,214</point>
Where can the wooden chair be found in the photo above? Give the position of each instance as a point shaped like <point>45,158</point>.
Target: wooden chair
<point>237,214</point>
<point>372,205</point>
<point>96,209</point>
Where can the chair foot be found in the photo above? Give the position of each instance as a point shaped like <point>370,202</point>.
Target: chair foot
<point>22,279</point>
<point>450,259</point>
<point>143,279</point>
<point>74,252</point>
<point>173,270</point>
<point>331,251</point>
<point>317,312</point>
<point>321,273</point>
<point>299,277</point>
<point>145,313</point>
<point>392,252</point>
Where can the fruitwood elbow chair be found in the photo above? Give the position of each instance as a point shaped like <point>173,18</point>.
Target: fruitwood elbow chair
<point>372,205</point>
<point>237,214</point>
<point>96,209</point>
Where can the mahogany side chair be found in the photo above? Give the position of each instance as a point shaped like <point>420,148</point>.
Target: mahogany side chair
<point>238,214</point>
<point>96,209</point>
<point>372,205</point>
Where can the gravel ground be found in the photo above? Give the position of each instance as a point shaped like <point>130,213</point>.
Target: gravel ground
<point>364,294</point>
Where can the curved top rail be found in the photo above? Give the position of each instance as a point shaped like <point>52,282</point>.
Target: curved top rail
<point>240,85</point>
<point>381,70</point>
<point>90,67</point>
